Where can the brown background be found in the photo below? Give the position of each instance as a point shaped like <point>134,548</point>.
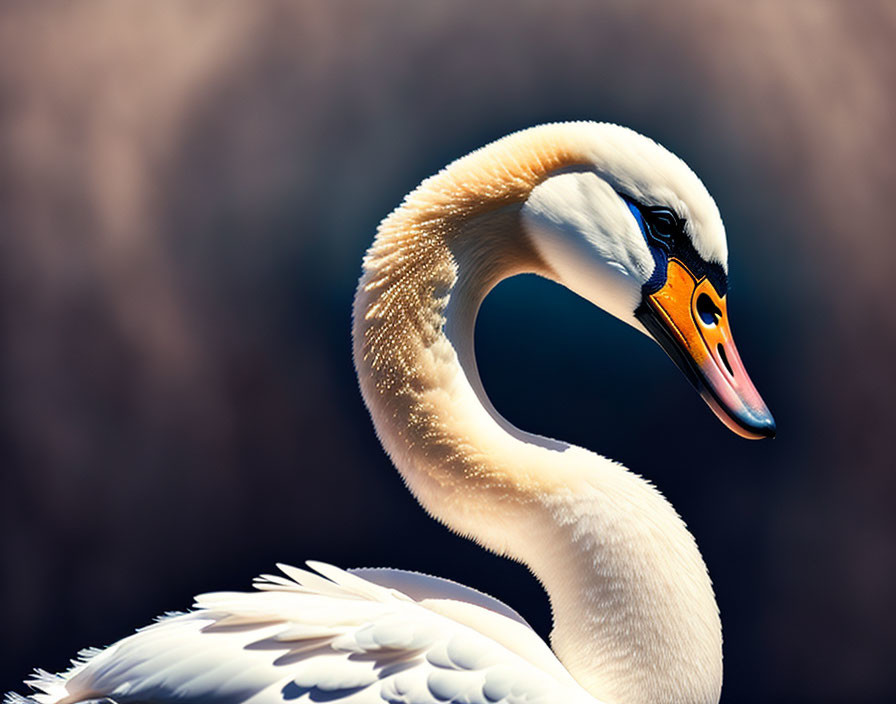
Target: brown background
<point>186,190</point>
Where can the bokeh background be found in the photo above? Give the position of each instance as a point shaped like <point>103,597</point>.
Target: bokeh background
<point>186,191</point>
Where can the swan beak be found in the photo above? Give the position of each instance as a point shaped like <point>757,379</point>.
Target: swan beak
<point>690,321</point>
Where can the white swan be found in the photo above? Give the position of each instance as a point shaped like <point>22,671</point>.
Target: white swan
<point>625,224</point>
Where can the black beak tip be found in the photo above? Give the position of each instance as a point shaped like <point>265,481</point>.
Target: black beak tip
<point>770,431</point>
<point>761,426</point>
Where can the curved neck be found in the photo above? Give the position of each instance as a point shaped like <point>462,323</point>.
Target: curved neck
<point>634,615</point>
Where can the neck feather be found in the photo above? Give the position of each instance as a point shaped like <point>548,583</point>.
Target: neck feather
<point>635,619</point>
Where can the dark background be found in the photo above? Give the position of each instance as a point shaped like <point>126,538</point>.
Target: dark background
<point>186,191</point>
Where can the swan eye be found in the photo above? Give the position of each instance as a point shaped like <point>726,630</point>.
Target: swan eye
<point>664,224</point>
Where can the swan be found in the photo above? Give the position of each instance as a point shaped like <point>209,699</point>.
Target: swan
<point>622,222</point>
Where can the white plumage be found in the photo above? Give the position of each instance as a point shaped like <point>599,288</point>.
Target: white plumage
<point>635,619</point>
<point>306,638</point>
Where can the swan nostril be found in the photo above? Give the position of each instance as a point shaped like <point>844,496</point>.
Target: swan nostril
<point>721,351</point>
<point>708,311</point>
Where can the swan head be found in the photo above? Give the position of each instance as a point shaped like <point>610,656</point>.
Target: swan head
<point>634,231</point>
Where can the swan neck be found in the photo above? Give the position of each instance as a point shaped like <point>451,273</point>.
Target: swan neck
<point>635,618</point>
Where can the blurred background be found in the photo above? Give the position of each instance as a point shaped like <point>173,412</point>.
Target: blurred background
<point>186,191</point>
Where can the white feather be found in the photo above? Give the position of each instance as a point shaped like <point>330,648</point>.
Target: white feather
<point>635,618</point>
<point>258,648</point>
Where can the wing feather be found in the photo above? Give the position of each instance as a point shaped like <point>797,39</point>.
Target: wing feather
<point>306,637</point>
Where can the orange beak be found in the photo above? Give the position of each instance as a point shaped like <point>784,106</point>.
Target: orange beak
<point>690,321</point>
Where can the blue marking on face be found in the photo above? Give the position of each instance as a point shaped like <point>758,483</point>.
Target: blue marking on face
<point>660,258</point>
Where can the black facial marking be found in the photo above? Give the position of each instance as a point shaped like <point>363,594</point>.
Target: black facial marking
<point>663,226</point>
<point>665,235</point>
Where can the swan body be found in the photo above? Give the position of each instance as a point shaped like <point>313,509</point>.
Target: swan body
<point>625,224</point>
<point>346,638</point>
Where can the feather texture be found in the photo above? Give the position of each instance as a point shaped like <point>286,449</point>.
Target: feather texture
<point>635,618</point>
<point>310,639</point>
